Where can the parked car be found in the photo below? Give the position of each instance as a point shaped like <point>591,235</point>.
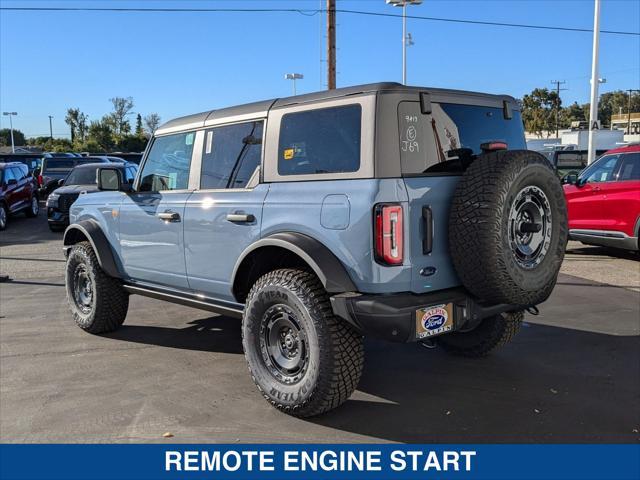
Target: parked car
<point>55,169</point>
<point>81,180</point>
<point>604,200</point>
<point>569,161</point>
<point>17,192</point>
<point>406,213</point>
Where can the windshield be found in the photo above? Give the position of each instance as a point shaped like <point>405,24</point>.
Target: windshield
<point>426,140</point>
<point>82,176</point>
<point>58,163</point>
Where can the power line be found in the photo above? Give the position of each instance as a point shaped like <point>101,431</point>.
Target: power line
<point>310,13</point>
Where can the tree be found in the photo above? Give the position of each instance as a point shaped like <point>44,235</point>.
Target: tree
<point>538,111</point>
<point>71,119</point>
<point>101,133</point>
<point>616,102</point>
<point>152,122</point>
<point>82,126</point>
<point>139,129</point>
<point>118,117</point>
<point>572,113</point>
<point>5,137</point>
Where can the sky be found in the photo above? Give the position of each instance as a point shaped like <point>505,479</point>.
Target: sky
<point>181,63</point>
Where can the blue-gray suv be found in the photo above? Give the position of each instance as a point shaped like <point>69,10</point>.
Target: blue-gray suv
<point>405,213</point>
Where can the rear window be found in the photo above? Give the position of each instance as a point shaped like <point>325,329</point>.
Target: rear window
<point>425,140</point>
<point>58,163</point>
<point>325,140</point>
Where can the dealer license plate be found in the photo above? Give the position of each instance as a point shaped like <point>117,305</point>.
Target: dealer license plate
<point>434,320</point>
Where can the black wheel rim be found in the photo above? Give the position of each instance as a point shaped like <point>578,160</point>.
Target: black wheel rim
<point>82,289</point>
<point>530,227</point>
<point>283,343</point>
<point>35,207</point>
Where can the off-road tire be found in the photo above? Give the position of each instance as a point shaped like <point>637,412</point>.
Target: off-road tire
<point>335,353</point>
<point>4,216</point>
<point>491,334</point>
<point>110,301</point>
<point>479,224</point>
<point>29,210</point>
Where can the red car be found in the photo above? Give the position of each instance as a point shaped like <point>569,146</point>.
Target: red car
<point>604,200</point>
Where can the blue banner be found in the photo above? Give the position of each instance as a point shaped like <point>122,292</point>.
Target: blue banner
<point>328,461</point>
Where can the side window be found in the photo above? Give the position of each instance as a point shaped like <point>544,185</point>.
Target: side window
<point>231,155</point>
<point>167,166</point>
<point>325,140</point>
<point>603,170</point>
<point>8,175</point>
<point>18,173</point>
<point>630,168</point>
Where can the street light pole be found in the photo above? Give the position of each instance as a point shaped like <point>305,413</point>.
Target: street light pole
<point>293,77</point>
<point>405,36</point>
<point>593,110</point>
<point>50,128</point>
<point>10,115</point>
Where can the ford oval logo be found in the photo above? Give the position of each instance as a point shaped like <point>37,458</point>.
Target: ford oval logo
<point>434,322</point>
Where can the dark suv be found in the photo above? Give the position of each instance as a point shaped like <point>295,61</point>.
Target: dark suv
<point>55,169</point>
<point>81,180</point>
<point>17,192</point>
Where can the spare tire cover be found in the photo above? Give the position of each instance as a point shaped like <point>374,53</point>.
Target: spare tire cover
<point>508,227</point>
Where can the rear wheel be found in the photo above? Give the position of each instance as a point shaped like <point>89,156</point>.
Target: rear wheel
<point>508,228</point>
<point>98,302</point>
<point>34,207</point>
<point>491,334</point>
<point>303,359</point>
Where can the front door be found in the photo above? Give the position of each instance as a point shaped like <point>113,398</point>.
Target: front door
<point>223,217</point>
<point>152,217</point>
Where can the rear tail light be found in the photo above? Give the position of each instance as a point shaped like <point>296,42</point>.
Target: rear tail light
<point>493,146</point>
<point>40,181</point>
<point>389,234</point>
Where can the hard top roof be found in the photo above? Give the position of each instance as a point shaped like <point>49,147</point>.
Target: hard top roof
<point>199,120</point>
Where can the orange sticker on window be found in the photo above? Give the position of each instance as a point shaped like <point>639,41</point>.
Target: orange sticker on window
<point>288,153</point>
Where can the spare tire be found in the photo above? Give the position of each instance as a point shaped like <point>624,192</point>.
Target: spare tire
<point>508,227</point>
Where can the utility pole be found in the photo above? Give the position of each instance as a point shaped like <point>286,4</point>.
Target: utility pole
<point>11,115</point>
<point>558,90</point>
<point>630,91</point>
<point>331,44</point>
<point>593,110</point>
<point>50,128</point>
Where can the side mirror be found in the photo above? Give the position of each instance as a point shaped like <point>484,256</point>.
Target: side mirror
<point>110,179</point>
<point>61,182</point>
<point>570,179</point>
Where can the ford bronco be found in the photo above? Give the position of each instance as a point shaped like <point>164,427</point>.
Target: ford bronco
<point>404,213</point>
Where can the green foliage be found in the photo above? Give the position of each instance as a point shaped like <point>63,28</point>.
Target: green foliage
<point>5,137</point>
<point>101,132</point>
<point>139,130</point>
<point>152,122</point>
<point>538,111</point>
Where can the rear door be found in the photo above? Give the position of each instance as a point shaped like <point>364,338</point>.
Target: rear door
<point>151,217</point>
<point>11,190</point>
<point>224,215</point>
<point>431,175</point>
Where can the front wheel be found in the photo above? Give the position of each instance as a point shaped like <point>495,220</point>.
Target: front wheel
<point>34,207</point>
<point>98,302</point>
<point>304,360</point>
<point>491,334</point>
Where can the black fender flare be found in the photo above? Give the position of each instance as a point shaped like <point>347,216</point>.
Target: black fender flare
<point>322,261</point>
<point>92,231</point>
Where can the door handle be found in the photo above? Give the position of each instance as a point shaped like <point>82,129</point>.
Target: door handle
<point>169,216</point>
<point>240,217</point>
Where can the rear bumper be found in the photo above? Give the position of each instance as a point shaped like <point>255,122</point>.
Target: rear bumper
<point>392,317</point>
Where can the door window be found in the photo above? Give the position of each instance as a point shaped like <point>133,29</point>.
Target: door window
<point>602,170</point>
<point>630,168</point>
<point>231,155</point>
<point>167,165</point>
<point>325,140</point>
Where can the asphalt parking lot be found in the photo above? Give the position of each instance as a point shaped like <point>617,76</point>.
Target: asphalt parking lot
<point>571,375</point>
